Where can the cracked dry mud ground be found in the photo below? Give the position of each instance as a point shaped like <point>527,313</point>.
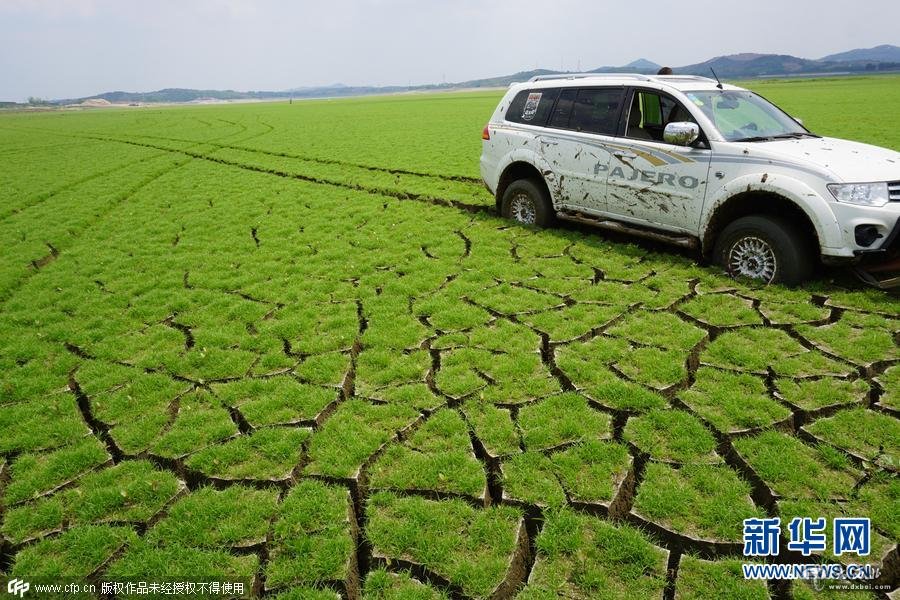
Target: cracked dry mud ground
<point>327,378</point>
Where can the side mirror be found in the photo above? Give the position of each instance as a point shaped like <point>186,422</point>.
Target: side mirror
<point>682,133</point>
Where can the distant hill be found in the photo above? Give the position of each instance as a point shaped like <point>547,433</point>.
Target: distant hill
<point>739,66</point>
<point>883,53</point>
<point>642,64</point>
<point>735,66</point>
<point>182,95</point>
<point>743,66</point>
<point>502,81</point>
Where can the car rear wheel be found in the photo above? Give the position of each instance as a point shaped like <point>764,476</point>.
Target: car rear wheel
<point>527,201</point>
<point>767,248</point>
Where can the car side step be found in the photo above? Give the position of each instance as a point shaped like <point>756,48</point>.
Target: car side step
<point>682,241</point>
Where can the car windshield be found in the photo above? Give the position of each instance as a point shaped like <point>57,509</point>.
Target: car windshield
<point>744,116</point>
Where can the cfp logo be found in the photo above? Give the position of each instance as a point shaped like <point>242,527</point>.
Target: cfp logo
<point>17,587</point>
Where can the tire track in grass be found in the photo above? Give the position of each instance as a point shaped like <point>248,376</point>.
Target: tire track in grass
<point>73,185</point>
<point>114,204</point>
<point>18,150</point>
<point>325,161</point>
<point>488,207</point>
<point>399,195</point>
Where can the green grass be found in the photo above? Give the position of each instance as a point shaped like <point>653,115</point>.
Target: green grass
<point>587,364</point>
<point>795,470</point>
<point>74,554</point>
<point>469,547</point>
<point>307,593</point>
<point>384,585</point>
<point>266,454</point>
<point>180,562</point>
<point>698,578</point>
<point>578,556</point>
<point>732,402</point>
<point>890,381</point>
<point>863,339</point>
<point>353,434</point>
<point>275,401</point>
<point>870,435</point>
<point>280,304</point>
<point>130,492</point>
<point>880,499</point>
<point>36,474</point>
<point>703,501</point>
<point>590,472</point>
<point>653,367</point>
<point>722,310</point>
<point>561,419</point>
<point>208,518</point>
<point>658,329</point>
<point>438,456</point>
<point>530,477</point>
<point>493,426</point>
<point>200,423</point>
<point>311,537</point>
<point>574,321</point>
<point>754,350</point>
<point>818,393</point>
<point>672,435</point>
<point>593,471</point>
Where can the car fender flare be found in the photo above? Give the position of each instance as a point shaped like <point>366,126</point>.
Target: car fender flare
<point>823,219</point>
<point>540,164</point>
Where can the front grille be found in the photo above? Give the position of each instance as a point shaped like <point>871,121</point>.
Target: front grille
<point>894,191</point>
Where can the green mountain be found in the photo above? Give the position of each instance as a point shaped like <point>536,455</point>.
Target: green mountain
<point>883,53</point>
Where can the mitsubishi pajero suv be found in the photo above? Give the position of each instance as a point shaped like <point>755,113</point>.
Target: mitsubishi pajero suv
<point>694,162</point>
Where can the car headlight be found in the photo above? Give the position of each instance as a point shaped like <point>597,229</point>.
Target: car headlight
<point>863,194</point>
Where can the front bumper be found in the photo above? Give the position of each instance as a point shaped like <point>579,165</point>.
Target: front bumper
<point>881,220</point>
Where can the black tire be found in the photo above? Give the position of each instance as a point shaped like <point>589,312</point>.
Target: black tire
<point>528,202</point>
<point>765,247</point>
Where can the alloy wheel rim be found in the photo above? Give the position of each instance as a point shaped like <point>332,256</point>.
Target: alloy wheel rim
<point>522,209</point>
<point>754,258</point>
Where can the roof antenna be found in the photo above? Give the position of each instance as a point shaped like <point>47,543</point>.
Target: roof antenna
<point>718,83</point>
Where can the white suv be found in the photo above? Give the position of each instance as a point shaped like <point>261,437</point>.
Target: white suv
<point>690,161</point>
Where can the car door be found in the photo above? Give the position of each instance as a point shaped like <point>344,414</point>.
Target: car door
<point>574,145</point>
<point>649,181</point>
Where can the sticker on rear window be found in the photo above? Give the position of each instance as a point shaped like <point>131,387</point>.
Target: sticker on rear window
<point>531,105</point>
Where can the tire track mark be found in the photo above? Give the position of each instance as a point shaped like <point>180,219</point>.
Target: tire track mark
<point>399,195</point>
<point>14,289</point>
<point>325,161</point>
<point>40,198</point>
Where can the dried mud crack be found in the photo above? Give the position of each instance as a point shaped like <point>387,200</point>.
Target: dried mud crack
<point>438,403</point>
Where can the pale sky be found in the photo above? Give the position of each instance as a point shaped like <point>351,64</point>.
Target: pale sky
<point>73,48</point>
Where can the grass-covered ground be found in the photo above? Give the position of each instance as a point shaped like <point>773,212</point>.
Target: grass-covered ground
<point>292,345</point>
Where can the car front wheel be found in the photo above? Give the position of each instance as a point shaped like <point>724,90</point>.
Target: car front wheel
<point>528,202</point>
<point>766,248</point>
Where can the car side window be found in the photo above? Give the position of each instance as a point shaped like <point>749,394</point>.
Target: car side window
<point>532,107</point>
<point>597,110</point>
<point>650,112</point>
<point>563,110</point>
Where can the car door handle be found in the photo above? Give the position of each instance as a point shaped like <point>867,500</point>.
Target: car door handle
<point>623,154</point>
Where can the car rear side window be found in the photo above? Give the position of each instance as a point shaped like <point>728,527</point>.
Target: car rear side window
<point>563,110</point>
<point>532,107</point>
<point>597,110</point>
